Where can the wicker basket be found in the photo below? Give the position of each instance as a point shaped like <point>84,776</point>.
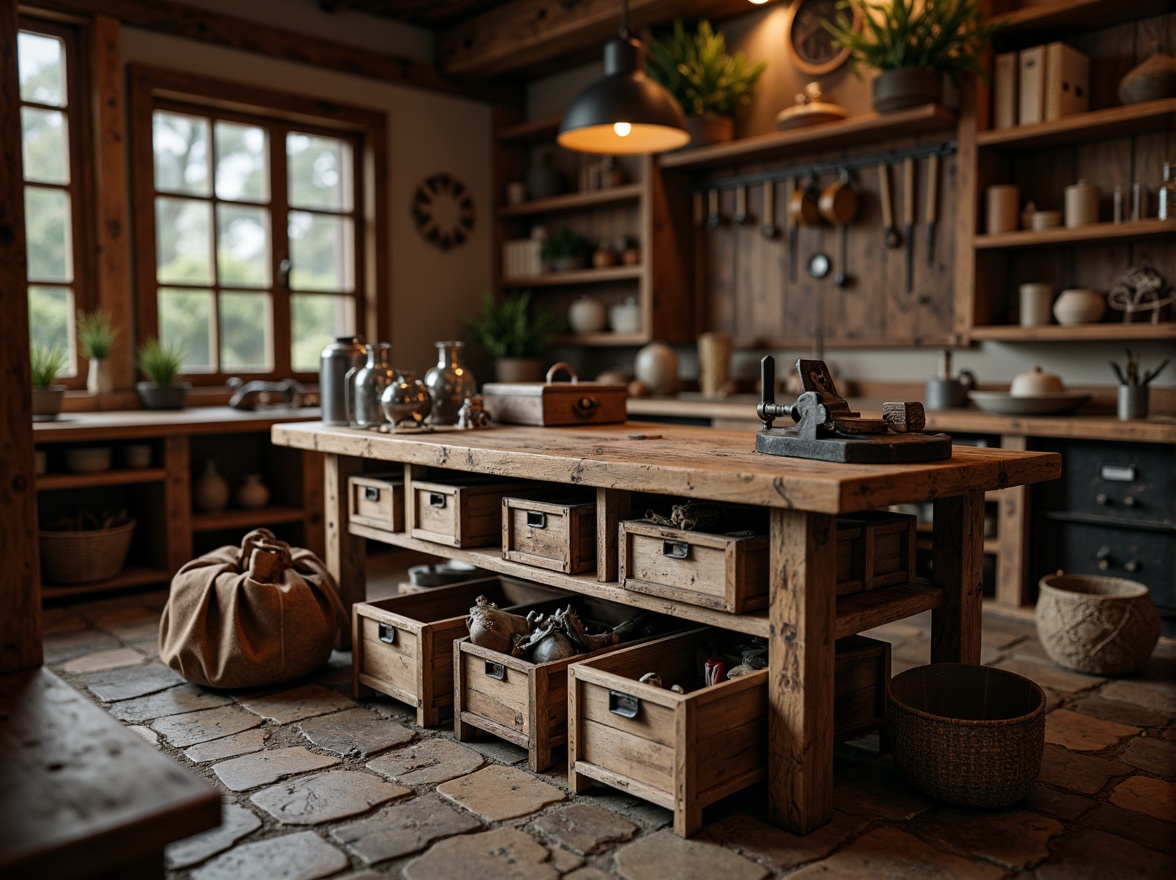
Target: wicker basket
<point>86,556</point>
<point>968,735</point>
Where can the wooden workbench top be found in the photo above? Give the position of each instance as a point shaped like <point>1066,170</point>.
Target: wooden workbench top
<point>709,463</point>
<point>134,423</point>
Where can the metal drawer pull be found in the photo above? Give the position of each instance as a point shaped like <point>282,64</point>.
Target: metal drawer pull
<point>371,493</point>
<point>495,670</point>
<point>625,705</point>
<point>387,634</point>
<point>1117,473</point>
<point>675,549</point>
<point>585,406</point>
<point>436,499</point>
<point>536,519</point>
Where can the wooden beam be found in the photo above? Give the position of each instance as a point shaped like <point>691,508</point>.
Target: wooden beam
<point>20,623</point>
<point>182,20</point>
<point>524,33</point>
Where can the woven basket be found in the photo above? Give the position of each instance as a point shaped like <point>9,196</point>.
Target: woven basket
<point>1101,625</point>
<point>86,556</point>
<point>968,735</point>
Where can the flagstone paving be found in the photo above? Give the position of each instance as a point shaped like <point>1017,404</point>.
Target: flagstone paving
<point>318,785</point>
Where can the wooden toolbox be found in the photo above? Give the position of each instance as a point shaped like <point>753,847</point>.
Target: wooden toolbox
<point>685,751</point>
<point>560,536</point>
<point>403,646</point>
<point>875,548</point>
<point>461,510</point>
<point>555,403</point>
<point>699,568</point>
<point>377,500</point>
<point>519,701</point>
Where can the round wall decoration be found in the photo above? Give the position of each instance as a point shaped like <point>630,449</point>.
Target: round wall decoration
<point>443,211</point>
<point>811,45</point>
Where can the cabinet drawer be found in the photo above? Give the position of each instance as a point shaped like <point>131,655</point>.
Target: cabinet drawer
<point>552,535</point>
<point>874,549</point>
<point>461,513</point>
<point>377,501</point>
<point>1127,481</point>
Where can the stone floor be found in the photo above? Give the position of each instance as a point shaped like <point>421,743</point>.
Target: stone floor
<point>316,784</point>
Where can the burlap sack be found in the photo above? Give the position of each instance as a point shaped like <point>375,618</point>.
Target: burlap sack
<point>257,615</point>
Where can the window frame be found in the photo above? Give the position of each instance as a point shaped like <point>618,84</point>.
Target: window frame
<point>153,88</point>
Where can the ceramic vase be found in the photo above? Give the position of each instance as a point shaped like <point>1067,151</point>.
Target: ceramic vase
<point>406,401</point>
<point>100,376</point>
<point>657,367</point>
<point>210,494</point>
<point>449,382</point>
<point>252,493</point>
<point>367,385</point>
<point>1078,306</point>
<point>587,315</point>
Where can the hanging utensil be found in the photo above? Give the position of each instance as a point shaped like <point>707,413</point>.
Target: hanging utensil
<point>793,233</point>
<point>908,218</point>
<point>769,229</point>
<point>804,204</point>
<point>932,204</point>
<point>742,218</point>
<point>839,205</point>
<point>699,208</point>
<point>890,236</point>
<point>713,219</point>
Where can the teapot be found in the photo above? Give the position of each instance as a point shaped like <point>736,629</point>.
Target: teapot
<point>944,392</point>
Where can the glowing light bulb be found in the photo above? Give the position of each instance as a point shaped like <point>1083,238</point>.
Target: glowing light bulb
<point>622,129</point>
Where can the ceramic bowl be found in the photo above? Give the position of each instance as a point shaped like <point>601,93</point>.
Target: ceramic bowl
<point>87,459</point>
<point>625,318</point>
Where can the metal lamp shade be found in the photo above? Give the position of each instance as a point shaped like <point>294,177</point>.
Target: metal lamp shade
<point>624,95</point>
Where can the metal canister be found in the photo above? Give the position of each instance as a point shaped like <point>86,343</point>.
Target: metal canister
<point>337,358</point>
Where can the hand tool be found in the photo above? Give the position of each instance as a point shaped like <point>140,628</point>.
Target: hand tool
<point>769,229</point>
<point>932,204</point>
<point>742,218</point>
<point>890,236</point>
<point>713,219</point>
<point>793,233</point>
<point>908,218</point>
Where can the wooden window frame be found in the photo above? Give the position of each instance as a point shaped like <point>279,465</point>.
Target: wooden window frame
<point>154,88</point>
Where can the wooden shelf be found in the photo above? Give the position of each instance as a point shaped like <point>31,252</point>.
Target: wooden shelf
<point>1078,15</point>
<point>120,477</point>
<point>603,338</point>
<point>630,192</point>
<point>867,128</point>
<point>578,276</point>
<point>1113,122</point>
<point>1062,237</point>
<point>532,132</point>
<point>1055,333</point>
<point>243,519</point>
<point>131,576</point>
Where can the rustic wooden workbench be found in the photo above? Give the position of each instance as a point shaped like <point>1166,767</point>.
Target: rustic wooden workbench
<point>804,497</point>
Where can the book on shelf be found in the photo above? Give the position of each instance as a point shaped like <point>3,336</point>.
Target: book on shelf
<point>520,258</point>
<point>1067,81</point>
<point>1031,85</point>
<point>1004,90</point>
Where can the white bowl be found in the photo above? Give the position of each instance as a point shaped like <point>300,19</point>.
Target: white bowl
<point>87,459</point>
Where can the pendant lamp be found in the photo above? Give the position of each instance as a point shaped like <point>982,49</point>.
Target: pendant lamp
<point>626,112</point>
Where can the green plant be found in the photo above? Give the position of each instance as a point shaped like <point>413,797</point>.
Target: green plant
<point>944,35</point>
<point>699,73</point>
<point>565,242</point>
<point>46,363</point>
<point>511,327</point>
<point>161,362</point>
<point>96,334</point>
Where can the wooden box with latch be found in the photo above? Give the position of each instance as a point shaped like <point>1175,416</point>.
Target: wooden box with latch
<point>555,403</point>
<point>403,646</point>
<point>557,535</point>
<point>875,548</point>
<point>461,510</point>
<point>377,500</point>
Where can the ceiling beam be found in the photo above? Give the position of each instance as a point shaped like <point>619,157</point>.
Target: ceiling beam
<point>529,33</point>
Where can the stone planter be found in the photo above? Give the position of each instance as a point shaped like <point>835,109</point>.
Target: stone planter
<point>154,395</point>
<point>908,87</point>
<point>47,402</point>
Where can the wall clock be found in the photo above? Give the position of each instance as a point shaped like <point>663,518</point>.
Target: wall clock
<point>443,211</point>
<point>812,46</point>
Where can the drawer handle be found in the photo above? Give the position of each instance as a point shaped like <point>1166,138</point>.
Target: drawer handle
<point>387,634</point>
<point>495,670</point>
<point>585,406</point>
<point>675,549</point>
<point>436,499</point>
<point>371,493</point>
<point>536,519</point>
<point>625,705</point>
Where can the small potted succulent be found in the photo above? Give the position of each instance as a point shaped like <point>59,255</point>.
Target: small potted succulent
<point>161,363</point>
<point>914,44</point>
<point>710,84</point>
<point>513,332</point>
<point>96,335</point>
<point>565,250</point>
<point>46,363</point>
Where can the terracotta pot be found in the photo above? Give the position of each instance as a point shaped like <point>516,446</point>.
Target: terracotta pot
<point>516,369</point>
<point>908,87</point>
<point>706,130</point>
<point>47,402</point>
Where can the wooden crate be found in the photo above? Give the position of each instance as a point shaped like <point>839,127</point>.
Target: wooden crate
<point>377,500</point>
<point>403,646</point>
<point>519,701</point>
<point>553,535</point>
<point>685,751</point>
<point>699,568</point>
<point>461,511</point>
<point>875,548</point>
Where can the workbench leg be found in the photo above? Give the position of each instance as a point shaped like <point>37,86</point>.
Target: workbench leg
<point>957,565</point>
<point>346,553</point>
<point>1012,523</point>
<point>800,666</point>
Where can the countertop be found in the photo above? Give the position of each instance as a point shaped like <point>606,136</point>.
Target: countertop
<point>127,424</point>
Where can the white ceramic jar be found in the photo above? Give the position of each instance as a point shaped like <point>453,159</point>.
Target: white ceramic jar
<point>1079,306</point>
<point>625,317</point>
<point>1034,383</point>
<point>657,367</point>
<point>587,315</point>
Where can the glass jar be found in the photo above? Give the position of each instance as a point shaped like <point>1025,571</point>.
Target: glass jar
<point>450,382</point>
<point>367,384</point>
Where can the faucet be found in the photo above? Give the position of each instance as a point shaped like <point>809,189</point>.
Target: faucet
<point>249,395</point>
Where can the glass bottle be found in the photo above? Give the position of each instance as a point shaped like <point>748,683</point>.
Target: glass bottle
<point>1168,194</point>
<point>367,384</point>
<point>450,382</point>
<point>406,401</point>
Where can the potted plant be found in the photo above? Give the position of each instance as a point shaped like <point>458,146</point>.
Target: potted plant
<point>565,250</point>
<point>710,84</point>
<point>514,333</point>
<point>161,363</point>
<point>46,363</point>
<point>914,44</point>
<point>96,335</point>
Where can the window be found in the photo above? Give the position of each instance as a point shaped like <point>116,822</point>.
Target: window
<point>254,257</point>
<point>52,123</point>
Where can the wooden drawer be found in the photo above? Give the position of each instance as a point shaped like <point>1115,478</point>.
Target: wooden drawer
<point>377,501</point>
<point>875,548</point>
<point>461,512</point>
<point>403,646</point>
<point>699,568</point>
<point>860,679</point>
<point>552,535</point>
